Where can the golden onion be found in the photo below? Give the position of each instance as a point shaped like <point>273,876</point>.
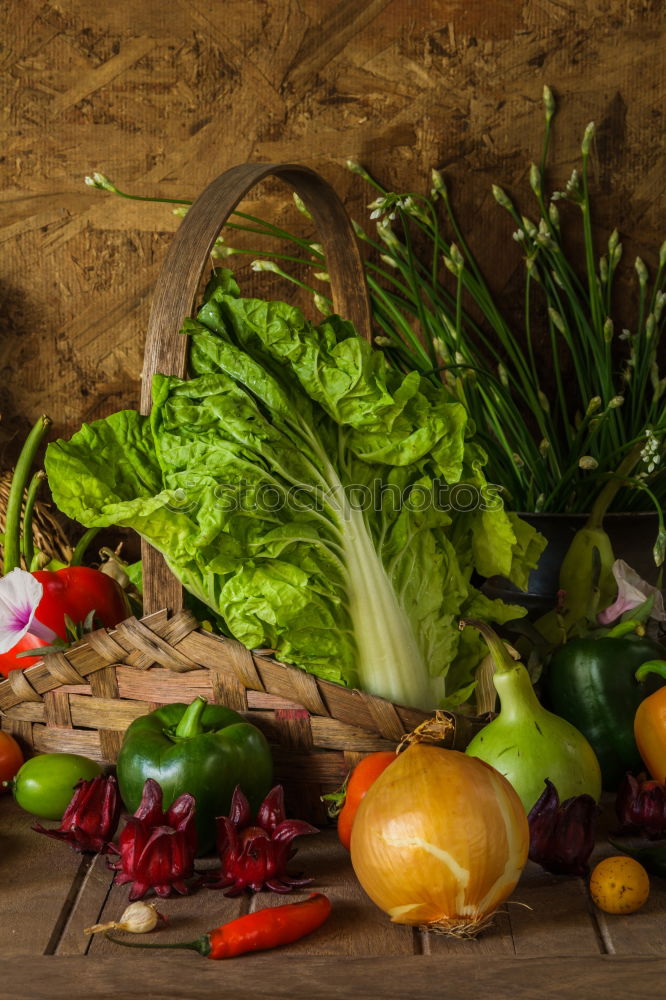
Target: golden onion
<point>440,840</point>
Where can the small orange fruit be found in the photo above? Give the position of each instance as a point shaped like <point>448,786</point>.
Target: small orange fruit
<point>619,885</point>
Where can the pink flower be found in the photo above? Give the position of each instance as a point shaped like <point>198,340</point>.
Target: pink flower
<point>632,591</point>
<point>20,594</point>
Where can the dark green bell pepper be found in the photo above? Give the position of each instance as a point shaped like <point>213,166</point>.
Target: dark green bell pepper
<point>649,853</point>
<point>202,749</point>
<point>591,682</point>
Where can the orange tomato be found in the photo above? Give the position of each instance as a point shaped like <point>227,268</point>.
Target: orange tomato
<point>364,774</point>
<point>650,733</point>
<point>11,758</point>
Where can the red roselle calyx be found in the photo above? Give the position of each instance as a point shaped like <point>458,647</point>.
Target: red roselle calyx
<point>562,835</point>
<point>254,855</point>
<point>641,806</point>
<point>157,848</point>
<point>91,818</point>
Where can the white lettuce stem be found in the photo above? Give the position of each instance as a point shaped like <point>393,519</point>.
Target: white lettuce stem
<point>389,661</point>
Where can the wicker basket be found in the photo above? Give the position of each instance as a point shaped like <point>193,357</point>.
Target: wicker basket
<point>84,699</point>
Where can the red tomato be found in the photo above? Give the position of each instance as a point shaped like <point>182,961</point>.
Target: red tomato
<point>73,591</point>
<point>11,758</point>
<point>363,775</point>
<point>9,660</point>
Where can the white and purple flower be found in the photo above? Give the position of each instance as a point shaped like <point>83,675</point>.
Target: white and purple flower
<point>20,594</point>
<point>632,591</point>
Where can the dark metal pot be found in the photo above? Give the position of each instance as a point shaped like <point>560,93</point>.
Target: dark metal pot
<point>632,537</point>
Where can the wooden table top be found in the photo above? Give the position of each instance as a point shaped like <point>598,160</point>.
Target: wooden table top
<point>548,941</point>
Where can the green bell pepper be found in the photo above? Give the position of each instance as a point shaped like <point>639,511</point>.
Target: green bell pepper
<point>591,682</point>
<point>202,749</point>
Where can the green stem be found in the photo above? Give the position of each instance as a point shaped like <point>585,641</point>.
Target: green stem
<point>622,629</point>
<point>202,944</point>
<point>190,723</point>
<point>561,395</point>
<point>275,255</point>
<point>607,495</point>
<point>593,290</point>
<point>651,667</point>
<point>418,301</point>
<point>660,543</point>
<point>142,197</point>
<point>12,551</point>
<point>574,340</point>
<point>27,541</point>
<point>393,315</point>
<point>518,699</point>
<point>82,545</point>
<point>461,241</point>
<point>546,143</point>
<point>503,661</point>
<point>528,327</point>
<point>334,801</point>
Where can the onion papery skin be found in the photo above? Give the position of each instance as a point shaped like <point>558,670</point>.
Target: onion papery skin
<point>440,840</point>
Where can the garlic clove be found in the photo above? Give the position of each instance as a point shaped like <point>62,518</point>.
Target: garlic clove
<point>137,918</point>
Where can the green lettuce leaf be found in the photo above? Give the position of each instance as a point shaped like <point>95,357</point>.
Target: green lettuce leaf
<point>302,490</point>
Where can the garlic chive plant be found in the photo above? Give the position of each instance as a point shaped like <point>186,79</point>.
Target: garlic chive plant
<point>551,448</point>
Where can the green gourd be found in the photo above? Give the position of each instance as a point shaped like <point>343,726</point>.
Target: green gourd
<point>525,742</point>
<point>586,579</point>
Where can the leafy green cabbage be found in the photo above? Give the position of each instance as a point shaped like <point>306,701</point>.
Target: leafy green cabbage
<point>303,490</point>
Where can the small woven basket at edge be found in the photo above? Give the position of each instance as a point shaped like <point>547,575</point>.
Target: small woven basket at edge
<point>83,700</point>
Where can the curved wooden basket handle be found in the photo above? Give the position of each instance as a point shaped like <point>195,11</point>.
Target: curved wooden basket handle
<point>179,282</point>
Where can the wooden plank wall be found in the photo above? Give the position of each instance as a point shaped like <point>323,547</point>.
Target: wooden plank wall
<point>161,96</point>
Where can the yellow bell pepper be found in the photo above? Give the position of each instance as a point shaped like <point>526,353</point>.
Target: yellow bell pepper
<point>650,723</point>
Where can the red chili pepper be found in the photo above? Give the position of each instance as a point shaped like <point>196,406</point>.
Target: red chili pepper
<point>268,928</point>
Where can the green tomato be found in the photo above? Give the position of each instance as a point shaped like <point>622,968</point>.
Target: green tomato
<point>44,786</point>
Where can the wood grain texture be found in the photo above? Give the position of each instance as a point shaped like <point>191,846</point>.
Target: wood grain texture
<point>86,908</point>
<point>644,930</point>
<point>553,951</point>
<point>267,977</point>
<point>39,882</point>
<point>551,915</point>
<point>162,98</point>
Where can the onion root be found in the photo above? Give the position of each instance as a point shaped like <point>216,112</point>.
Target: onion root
<point>462,929</point>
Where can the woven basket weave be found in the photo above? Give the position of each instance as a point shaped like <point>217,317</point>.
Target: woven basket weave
<point>84,699</point>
